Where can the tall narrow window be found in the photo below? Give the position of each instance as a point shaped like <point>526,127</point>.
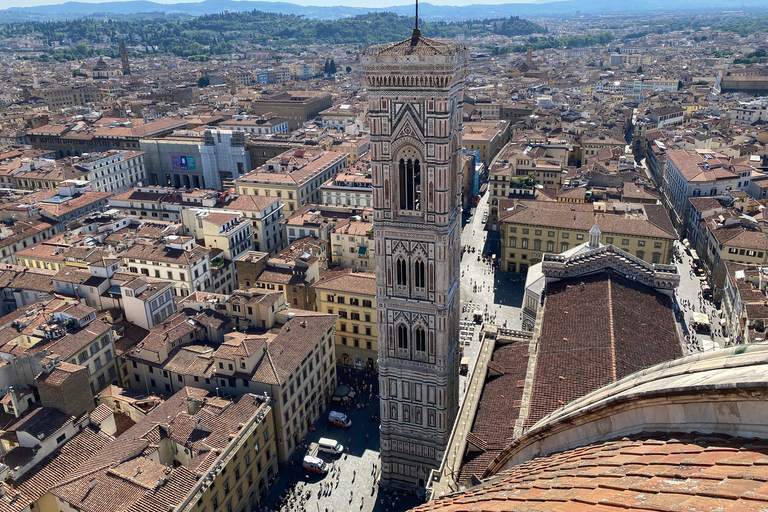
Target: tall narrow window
<point>410,184</point>
<point>416,185</point>
<point>401,272</point>
<point>419,274</point>
<point>420,339</point>
<point>403,185</point>
<point>402,337</point>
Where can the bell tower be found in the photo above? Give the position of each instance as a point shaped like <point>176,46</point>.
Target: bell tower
<point>415,91</point>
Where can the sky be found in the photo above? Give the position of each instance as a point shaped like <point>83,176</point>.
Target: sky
<point>4,4</point>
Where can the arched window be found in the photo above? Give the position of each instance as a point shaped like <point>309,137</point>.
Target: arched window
<point>410,184</point>
<point>420,339</point>
<point>402,337</point>
<point>401,272</point>
<point>419,274</point>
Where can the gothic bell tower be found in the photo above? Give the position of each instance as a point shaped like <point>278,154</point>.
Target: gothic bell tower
<point>415,91</point>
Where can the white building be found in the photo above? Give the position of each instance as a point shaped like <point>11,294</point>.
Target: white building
<point>353,187</point>
<point>113,171</point>
<point>224,157</point>
<point>701,172</point>
<point>178,260</point>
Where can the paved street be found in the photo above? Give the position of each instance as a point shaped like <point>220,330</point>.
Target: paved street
<point>690,302</point>
<point>356,467</point>
<point>483,289</point>
<point>480,287</point>
<point>499,294</point>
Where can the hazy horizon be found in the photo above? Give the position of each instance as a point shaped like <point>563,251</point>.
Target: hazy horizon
<point>5,4</point>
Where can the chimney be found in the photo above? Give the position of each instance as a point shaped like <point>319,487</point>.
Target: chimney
<point>15,402</point>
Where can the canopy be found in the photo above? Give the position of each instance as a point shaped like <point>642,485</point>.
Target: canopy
<point>700,318</point>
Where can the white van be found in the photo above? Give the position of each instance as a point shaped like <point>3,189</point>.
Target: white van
<point>340,419</point>
<point>329,446</point>
<point>314,464</point>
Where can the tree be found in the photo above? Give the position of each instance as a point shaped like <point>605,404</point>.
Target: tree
<point>679,84</point>
<point>349,69</point>
<point>759,325</point>
<point>332,68</point>
<point>640,70</point>
<point>203,81</point>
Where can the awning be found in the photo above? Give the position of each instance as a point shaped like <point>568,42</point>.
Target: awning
<point>700,318</point>
<point>687,244</point>
<point>705,287</point>
<point>361,250</point>
<point>694,254</point>
<point>723,321</point>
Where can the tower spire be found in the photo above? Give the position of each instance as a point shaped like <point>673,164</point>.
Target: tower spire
<point>416,31</point>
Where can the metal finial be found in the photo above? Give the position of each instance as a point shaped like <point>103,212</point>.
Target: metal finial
<point>416,31</point>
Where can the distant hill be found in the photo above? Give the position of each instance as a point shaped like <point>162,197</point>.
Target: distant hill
<point>430,12</point>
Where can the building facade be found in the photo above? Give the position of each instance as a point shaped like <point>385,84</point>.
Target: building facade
<point>353,298</point>
<point>415,92</point>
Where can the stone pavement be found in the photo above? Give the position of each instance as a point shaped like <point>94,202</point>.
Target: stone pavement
<point>689,290</point>
<point>483,287</point>
<point>356,474</point>
<point>494,293</point>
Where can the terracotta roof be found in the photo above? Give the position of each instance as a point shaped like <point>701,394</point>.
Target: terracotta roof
<point>595,333</point>
<point>363,283</point>
<point>296,339</point>
<point>686,472</point>
<point>45,474</point>
<point>498,408</point>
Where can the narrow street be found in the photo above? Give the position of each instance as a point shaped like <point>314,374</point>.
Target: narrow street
<point>485,289</point>
<point>690,301</point>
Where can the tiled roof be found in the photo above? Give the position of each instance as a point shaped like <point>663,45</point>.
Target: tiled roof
<point>420,46</point>
<point>350,282</point>
<point>595,330</point>
<point>296,339</point>
<point>498,408</point>
<point>120,477</point>
<point>686,472</point>
<point>45,474</point>
<point>44,422</point>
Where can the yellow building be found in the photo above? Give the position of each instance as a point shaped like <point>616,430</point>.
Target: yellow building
<point>294,176</point>
<point>354,148</point>
<point>195,452</point>
<point>352,244</point>
<point>352,296</point>
<point>535,155</point>
<point>485,137</point>
<point>530,229</point>
<point>726,239</point>
<point>228,231</point>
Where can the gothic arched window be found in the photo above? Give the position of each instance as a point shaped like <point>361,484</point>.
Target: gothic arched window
<point>418,277</point>
<point>410,184</point>
<point>401,272</point>
<point>420,339</point>
<point>402,337</point>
